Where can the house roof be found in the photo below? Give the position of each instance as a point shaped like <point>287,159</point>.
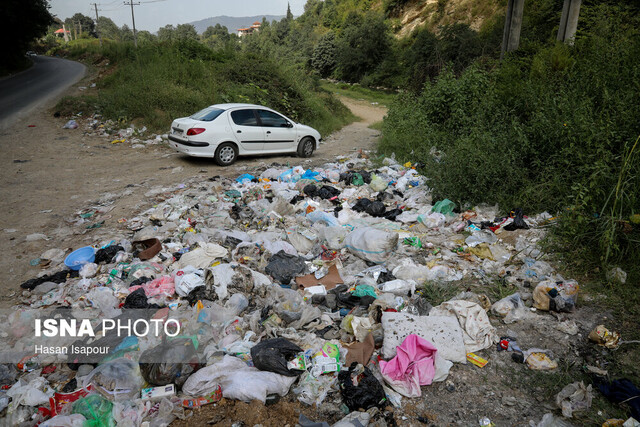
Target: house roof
<point>60,31</point>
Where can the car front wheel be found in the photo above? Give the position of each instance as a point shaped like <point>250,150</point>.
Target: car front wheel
<point>306,147</point>
<point>226,154</point>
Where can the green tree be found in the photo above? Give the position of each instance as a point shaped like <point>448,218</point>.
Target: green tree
<point>25,20</point>
<point>108,29</point>
<point>186,32</point>
<point>166,33</point>
<point>363,44</point>
<point>323,59</point>
<point>126,34</point>
<point>146,37</point>
<point>289,14</point>
<point>81,25</point>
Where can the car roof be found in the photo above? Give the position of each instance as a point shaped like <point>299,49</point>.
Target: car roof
<point>237,105</point>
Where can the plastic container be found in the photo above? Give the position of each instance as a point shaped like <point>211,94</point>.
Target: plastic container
<point>76,259</point>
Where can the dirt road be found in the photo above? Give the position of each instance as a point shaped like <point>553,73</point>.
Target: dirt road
<point>49,174</point>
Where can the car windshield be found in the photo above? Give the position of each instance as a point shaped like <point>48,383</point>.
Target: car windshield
<point>207,115</point>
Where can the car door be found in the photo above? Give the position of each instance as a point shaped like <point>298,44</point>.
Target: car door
<point>279,134</point>
<point>246,130</point>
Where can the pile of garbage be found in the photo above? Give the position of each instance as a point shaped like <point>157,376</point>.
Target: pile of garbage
<point>293,281</point>
<point>95,125</point>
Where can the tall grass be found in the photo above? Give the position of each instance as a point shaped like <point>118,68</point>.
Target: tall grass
<point>161,81</point>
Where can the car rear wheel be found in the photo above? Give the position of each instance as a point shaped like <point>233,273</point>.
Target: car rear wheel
<point>226,154</point>
<point>306,147</point>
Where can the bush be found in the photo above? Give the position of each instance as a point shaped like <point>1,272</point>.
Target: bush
<point>550,129</point>
<point>159,82</point>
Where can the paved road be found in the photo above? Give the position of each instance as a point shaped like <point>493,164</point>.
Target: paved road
<point>32,88</point>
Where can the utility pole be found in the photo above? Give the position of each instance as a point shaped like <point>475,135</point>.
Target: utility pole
<point>569,21</point>
<point>95,5</point>
<point>133,19</point>
<point>66,36</point>
<point>512,26</point>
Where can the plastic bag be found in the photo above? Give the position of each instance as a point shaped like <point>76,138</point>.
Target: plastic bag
<point>187,279</point>
<point>574,397</point>
<point>88,270</point>
<point>518,221</point>
<point>399,287</point>
<point>549,420</point>
<point>512,308</point>
<point>103,298</point>
<point>371,244</point>
<point>368,392</point>
<point>75,420</point>
<point>118,379</point>
<point>161,286</point>
<point>169,363</point>
<point>31,393</point>
<point>284,267</point>
<point>323,217</point>
<point>432,220</point>
<point>238,381</point>
<point>71,124</point>
<point>237,303</point>
<point>482,236</point>
<point>444,207</point>
<point>561,297</point>
<point>96,409</point>
<point>377,183</point>
<point>272,355</point>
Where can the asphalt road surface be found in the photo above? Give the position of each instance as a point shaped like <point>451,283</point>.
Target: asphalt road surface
<point>47,78</point>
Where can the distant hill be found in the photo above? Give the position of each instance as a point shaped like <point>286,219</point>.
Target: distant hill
<point>232,22</point>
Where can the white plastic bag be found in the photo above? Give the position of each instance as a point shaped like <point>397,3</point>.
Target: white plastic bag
<point>187,279</point>
<point>399,287</point>
<point>32,393</point>
<point>88,270</point>
<point>74,420</point>
<point>238,381</point>
<point>371,244</point>
<point>512,308</point>
<point>432,220</point>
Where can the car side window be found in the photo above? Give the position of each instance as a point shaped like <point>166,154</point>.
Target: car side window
<point>271,119</point>
<point>244,118</point>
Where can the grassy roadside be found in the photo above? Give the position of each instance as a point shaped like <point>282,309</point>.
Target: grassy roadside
<point>158,82</point>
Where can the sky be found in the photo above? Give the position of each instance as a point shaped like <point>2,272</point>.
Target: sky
<point>153,14</point>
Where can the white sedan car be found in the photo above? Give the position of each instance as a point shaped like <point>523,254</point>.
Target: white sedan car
<point>226,131</point>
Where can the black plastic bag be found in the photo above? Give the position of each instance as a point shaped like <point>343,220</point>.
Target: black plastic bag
<point>272,355</point>
<point>106,255</point>
<point>361,205</point>
<point>376,209</point>
<point>327,192</point>
<point>349,300</point>
<point>140,281</point>
<point>518,221</point>
<point>171,362</point>
<point>136,299</point>
<point>367,394</point>
<point>392,214</point>
<point>284,267</point>
<point>310,190</point>
<point>59,277</point>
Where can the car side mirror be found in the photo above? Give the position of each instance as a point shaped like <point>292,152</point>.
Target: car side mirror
<point>289,125</point>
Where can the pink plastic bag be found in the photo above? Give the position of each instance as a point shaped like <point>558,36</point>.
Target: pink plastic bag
<point>413,366</point>
<point>161,286</point>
